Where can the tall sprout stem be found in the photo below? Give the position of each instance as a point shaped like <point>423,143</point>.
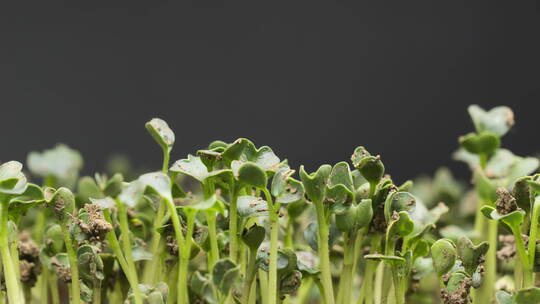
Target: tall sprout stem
<point>233,225</point>
<point>73,265</point>
<point>524,259</point>
<point>117,250</point>
<point>487,291</point>
<point>345,284</point>
<point>183,261</point>
<point>10,274</point>
<point>533,234</point>
<point>324,253</point>
<point>251,272</point>
<point>126,244</point>
<point>274,235</point>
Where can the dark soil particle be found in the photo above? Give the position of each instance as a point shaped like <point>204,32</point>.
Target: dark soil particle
<point>97,226</point>
<point>460,295</point>
<point>29,265</point>
<point>506,203</point>
<point>63,273</point>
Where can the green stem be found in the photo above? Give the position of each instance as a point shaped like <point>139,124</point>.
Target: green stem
<point>289,233</point>
<point>73,265</point>
<point>186,252</point>
<point>233,225</point>
<point>274,235</point>
<point>483,160</point>
<point>182,262</point>
<point>55,294</point>
<point>116,248</point>
<point>166,155</point>
<point>263,286</point>
<point>212,234</point>
<point>533,234</point>
<point>127,248</point>
<point>251,272</point>
<point>43,287</point>
<point>523,258</point>
<point>10,274</point>
<point>398,288</point>
<point>367,290</point>
<point>150,273</point>
<point>345,284</point>
<point>324,253</point>
<point>488,286</point>
<point>303,291</point>
<point>320,286</point>
<point>96,295</point>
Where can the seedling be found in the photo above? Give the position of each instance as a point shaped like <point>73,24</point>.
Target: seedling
<point>234,223</point>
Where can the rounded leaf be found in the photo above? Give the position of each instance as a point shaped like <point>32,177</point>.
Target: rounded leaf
<point>162,134</point>
<point>315,183</point>
<point>251,174</point>
<point>443,253</point>
<point>482,143</point>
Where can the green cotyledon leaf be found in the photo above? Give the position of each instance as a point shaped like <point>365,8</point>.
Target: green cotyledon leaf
<point>315,183</point>
<point>400,225</point>
<point>12,180</point>
<point>250,174</point>
<point>371,167</point>
<point>156,182</point>
<point>193,166</point>
<point>253,236</point>
<point>225,274</point>
<point>294,192</point>
<point>398,201</point>
<point>480,143</point>
<point>243,150</point>
<point>443,253</point>
<point>251,206</point>
<point>527,295</point>
<point>497,120</point>
<point>354,216</point>
<point>340,187</point>
<point>60,162</point>
<point>162,134</point>
<point>512,219</point>
<point>469,254</point>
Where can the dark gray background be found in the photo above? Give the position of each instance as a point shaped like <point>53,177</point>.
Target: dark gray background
<point>312,80</point>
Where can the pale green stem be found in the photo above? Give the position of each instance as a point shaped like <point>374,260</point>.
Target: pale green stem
<point>10,274</point>
<point>96,295</point>
<point>73,265</point>
<point>43,287</point>
<point>533,234</point>
<point>233,226</point>
<point>324,253</point>
<point>345,283</point>
<point>150,273</point>
<point>182,276</point>
<point>524,259</point>
<point>251,272</point>
<point>212,234</point>
<point>55,294</point>
<point>488,286</point>
<point>116,248</point>
<point>274,235</point>
<point>303,291</point>
<point>289,233</point>
<point>126,244</point>
<point>263,286</point>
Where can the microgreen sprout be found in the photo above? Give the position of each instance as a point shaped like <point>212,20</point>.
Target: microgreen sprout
<point>234,223</point>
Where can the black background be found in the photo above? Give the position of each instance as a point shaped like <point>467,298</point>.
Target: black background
<point>312,80</point>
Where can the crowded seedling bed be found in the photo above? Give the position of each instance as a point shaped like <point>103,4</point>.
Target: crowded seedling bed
<point>234,223</point>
